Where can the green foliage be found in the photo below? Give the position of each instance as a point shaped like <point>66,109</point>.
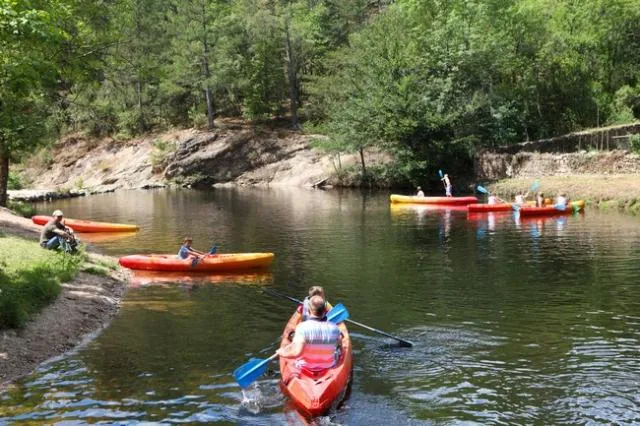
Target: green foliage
<point>30,278</point>
<point>161,150</point>
<point>634,143</point>
<point>15,181</point>
<point>22,209</point>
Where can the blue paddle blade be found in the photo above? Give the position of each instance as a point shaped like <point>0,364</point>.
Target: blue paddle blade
<point>440,173</point>
<point>482,189</point>
<point>195,261</point>
<point>214,249</point>
<point>250,371</point>
<point>535,186</point>
<point>338,314</point>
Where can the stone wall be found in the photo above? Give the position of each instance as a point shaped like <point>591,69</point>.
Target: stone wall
<point>598,151</point>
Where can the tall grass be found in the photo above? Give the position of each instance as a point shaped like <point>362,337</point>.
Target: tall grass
<point>30,278</point>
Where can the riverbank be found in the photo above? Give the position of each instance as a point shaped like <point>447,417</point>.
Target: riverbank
<point>604,191</point>
<point>84,306</point>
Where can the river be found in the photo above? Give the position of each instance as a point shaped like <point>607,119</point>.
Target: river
<point>514,321</point>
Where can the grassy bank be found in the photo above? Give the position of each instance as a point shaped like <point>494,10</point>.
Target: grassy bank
<point>30,278</point>
<point>605,191</point>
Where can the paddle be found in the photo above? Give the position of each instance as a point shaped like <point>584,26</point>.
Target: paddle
<point>196,260</point>
<point>482,189</point>
<point>404,343</point>
<point>440,173</point>
<point>250,371</point>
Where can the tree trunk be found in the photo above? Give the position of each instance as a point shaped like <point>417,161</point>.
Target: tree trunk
<point>364,169</point>
<point>4,174</point>
<point>207,72</point>
<point>292,76</point>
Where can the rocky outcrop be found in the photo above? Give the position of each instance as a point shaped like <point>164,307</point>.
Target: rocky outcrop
<point>238,154</point>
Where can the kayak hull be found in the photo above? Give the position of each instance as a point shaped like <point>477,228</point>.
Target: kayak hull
<point>211,263</point>
<point>450,201</point>
<point>480,208</point>
<point>573,207</point>
<point>315,393</point>
<point>87,225</point>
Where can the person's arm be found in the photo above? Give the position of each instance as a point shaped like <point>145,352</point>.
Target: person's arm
<point>196,252</point>
<point>61,233</point>
<point>294,349</point>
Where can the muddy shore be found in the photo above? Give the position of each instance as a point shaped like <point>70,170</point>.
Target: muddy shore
<point>84,307</point>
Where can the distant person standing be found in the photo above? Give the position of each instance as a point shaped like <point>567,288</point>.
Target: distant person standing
<point>420,193</point>
<point>447,185</point>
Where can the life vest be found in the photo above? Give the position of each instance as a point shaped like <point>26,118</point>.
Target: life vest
<point>493,200</point>
<point>321,339</point>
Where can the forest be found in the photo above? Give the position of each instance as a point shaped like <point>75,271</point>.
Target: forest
<point>426,81</point>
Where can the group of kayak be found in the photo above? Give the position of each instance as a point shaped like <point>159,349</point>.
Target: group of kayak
<point>541,206</point>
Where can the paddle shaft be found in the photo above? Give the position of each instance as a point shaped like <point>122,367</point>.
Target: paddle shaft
<point>375,330</point>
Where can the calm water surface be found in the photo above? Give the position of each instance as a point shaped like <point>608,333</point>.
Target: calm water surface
<point>514,322</point>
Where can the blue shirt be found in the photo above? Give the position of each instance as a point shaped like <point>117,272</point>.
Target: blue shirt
<point>183,253</point>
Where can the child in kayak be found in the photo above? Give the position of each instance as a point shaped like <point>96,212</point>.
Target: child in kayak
<point>187,252</point>
<point>315,290</point>
<point>447,185</point>
<point>420,193</point>
<point>540,200</point>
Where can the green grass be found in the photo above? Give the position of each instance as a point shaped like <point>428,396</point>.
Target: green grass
<point>30,278</point>
<point>95,270</point>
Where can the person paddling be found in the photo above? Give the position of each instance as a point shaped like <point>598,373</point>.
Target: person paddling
<point>304,308</point>
<point>55,234</point>
<point>186,251</point>
<point>540,200</point>
<point>420,193</point>
<point>316,341</point>
<point>447,185</point>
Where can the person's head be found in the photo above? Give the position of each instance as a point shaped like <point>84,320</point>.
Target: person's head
<point>419,188</point>
<point>316,306</point>
<point>316,290</point>
<point>58,215</point>
<point>187,241</point>
<point>540,194</point>
<point>563,194</point>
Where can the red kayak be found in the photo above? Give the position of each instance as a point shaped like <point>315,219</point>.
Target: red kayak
<point>214,263</point>
<point>573,207</point>
<point>414,199</point>
<point>480,208</point>
<point>87,225</point>
<point>315,393</point>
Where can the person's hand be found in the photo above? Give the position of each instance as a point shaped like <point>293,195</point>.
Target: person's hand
<point>279,352</point>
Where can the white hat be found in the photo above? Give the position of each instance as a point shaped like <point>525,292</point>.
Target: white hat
<point>57,213</point>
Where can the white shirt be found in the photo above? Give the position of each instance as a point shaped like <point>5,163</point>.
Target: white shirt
<point>420,194</point>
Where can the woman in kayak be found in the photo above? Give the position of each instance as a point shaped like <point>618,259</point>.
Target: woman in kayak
<point>186,251</point>
<point>420,193</point>
<point>540,200</point>
<point>561,201</point>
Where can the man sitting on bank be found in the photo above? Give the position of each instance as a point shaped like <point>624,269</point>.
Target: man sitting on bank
<point>316,340</point>
<point>54,233</point>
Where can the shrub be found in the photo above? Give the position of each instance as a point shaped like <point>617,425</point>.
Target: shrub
<point>22,209</point>
<point>634,143</point>
<point>15,181</point>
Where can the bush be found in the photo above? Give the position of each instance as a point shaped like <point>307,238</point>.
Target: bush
<point>15,181</point>
<point>22,209</point>
<point>30,278</point>
<point>634,143</point>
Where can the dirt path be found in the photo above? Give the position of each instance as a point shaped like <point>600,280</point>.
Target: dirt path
<point>85,305</point>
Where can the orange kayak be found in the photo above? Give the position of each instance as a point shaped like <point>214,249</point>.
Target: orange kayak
<point>572,207</point>
<point>87,225</point>
<point>217,262</point>
<point>315,393</point>
<point>451,201</point>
